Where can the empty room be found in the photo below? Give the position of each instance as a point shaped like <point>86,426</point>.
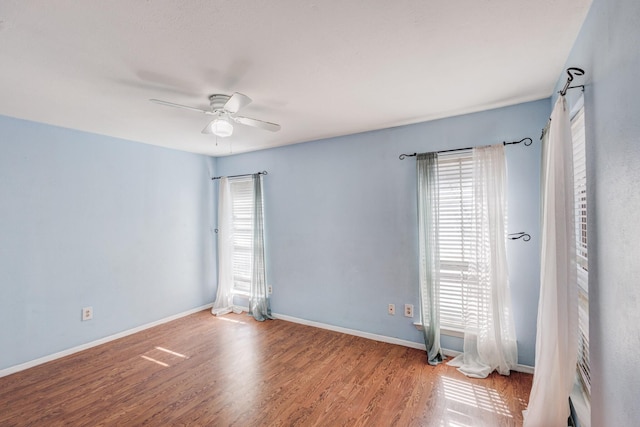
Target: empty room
<point>305,213</point>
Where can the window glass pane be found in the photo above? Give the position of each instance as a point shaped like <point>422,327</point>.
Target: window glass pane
<point>242,208</point>
<point>456,232</point>
<point>580,206</point>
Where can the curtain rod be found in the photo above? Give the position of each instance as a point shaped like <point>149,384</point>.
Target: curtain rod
<point>403,156</point>
<point>238,176</point>
<point>520,235</point>
<point>572,72</point>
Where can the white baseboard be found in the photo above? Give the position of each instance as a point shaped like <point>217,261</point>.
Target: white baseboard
<point>382,338</point>
<point>347,331</point>
<point>525,369</point>
<point>21,367</point>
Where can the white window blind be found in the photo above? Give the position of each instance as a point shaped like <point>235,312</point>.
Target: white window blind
<point>580,200</point>
<point>242,211</point>
<point>456,233</point>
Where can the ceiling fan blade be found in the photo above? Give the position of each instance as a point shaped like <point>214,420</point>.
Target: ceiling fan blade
<point>207,128</point>
<point>236,102</point>
<point>186,107</point>
<point>257,123</point>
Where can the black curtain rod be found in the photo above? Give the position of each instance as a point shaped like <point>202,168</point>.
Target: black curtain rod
<point>403,156</point>
<point>520,235</point>
<point>238,176</point>
<point>572,72</point>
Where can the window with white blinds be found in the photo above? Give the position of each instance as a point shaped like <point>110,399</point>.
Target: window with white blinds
<point>242,211</point>
<point>580,201</point>
<point>456,233</point>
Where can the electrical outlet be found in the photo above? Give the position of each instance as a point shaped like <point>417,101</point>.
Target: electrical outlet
<point>391,309</point>
<point>269,290</point>
<point>87,313</point>
<point>408,310</point>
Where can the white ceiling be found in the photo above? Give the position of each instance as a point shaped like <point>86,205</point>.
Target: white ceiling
<point>319,68</point>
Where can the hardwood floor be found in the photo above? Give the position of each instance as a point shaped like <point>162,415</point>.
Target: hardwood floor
<point>203,370</point>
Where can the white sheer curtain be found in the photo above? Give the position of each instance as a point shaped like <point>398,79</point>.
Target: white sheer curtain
<point>429,268</point>
<point>224,296</point>
<point>259,306</point>
<point>556,339</point>
<point>489,336</point>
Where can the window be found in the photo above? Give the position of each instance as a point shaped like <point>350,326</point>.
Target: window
<point>456,233</point>
<point>242,213</point>
<point>580,201</point>
<point>464,285</point>
<point>241,266</point>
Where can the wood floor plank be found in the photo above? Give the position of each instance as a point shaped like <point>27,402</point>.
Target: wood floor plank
<point>202,370</point>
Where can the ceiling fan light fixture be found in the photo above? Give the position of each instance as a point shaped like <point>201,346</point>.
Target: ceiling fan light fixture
<point>224,108</point>
<point>221,127</point>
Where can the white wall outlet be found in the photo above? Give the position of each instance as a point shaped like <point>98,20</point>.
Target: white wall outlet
<point>391,309</point>
<point>269,290</point>
<point>408,310</point>
<point>87,313</point>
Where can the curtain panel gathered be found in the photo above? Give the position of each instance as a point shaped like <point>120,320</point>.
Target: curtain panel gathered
<point>429,261</point>
<point>489,332</point>
<point>557,333</point>
<point>259,306</point>
<point>224,296</point>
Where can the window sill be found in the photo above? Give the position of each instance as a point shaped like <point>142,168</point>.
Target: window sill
<point>240,293</point>
<point>450,332</point>
<point>444,331</point>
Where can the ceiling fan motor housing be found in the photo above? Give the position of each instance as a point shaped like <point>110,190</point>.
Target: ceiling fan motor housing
<point>217,101</point>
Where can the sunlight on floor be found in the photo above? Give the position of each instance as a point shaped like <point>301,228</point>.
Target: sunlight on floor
<point>226,319</point>
<point>475,395</point>
<point>450,423</point>
<point>464,400</point>
<point>150,359</point>
<point>172,352</point>
<point>162,356</point>
<point>455,418</point>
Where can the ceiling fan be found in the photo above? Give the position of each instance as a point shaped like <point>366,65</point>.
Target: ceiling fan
<point>224,109</point>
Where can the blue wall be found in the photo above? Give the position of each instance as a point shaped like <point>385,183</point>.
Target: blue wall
<point>90,220</point>
<point>342,229</point>
<point>87,220</point>
<point>607,49</point>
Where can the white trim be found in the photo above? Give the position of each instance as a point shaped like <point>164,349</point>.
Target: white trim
<point>577,106</point>
<point>382,338</point>
<point>443,331</point>
<point>452,332</point>
<point>30,364</point>
<point>347,331</point>
<point>525,369</point>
